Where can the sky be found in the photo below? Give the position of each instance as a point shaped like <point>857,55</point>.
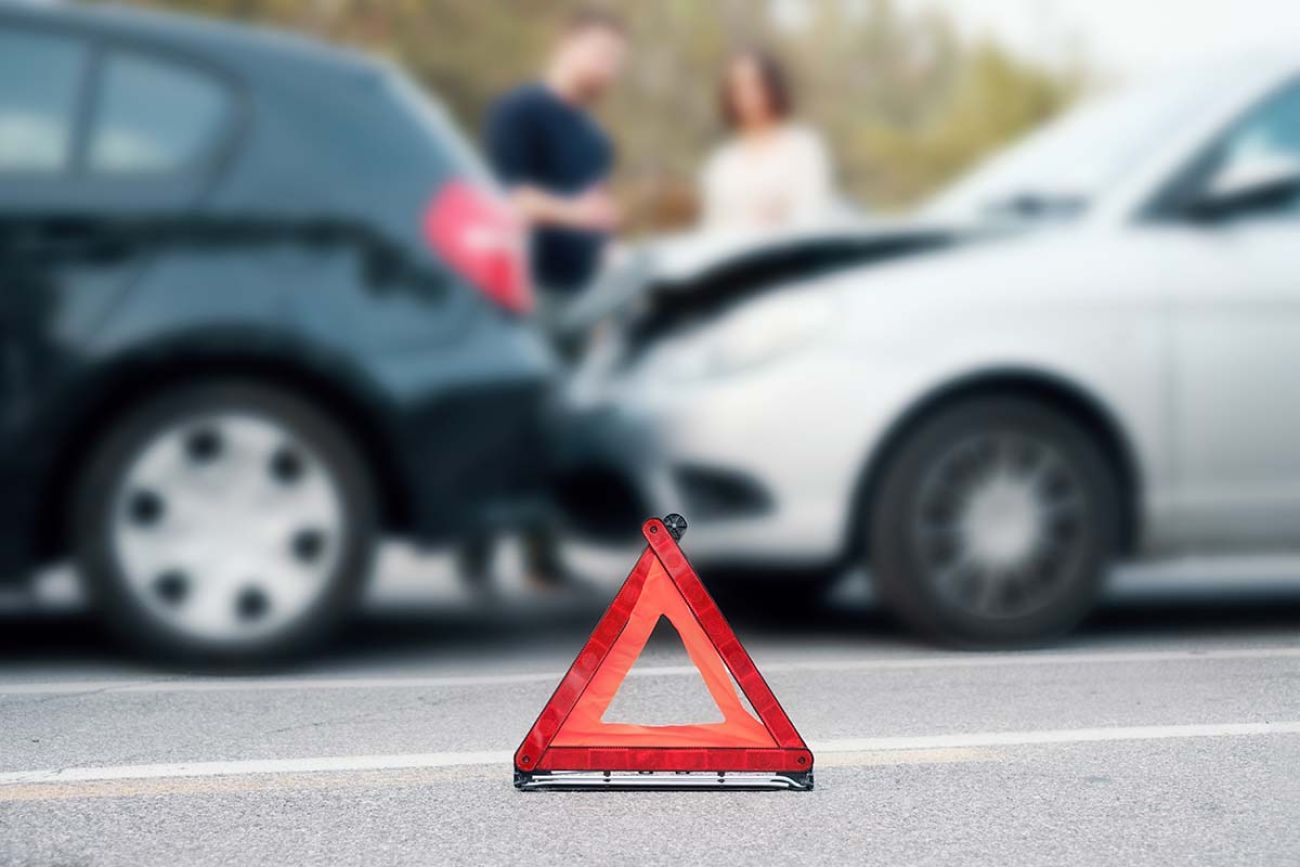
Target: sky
<point>1128,38</point>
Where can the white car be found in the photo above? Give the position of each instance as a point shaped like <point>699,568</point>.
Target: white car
<point>1089,348</point>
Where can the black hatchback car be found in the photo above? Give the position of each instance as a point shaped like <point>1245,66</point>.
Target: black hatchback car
<point>259,305</point>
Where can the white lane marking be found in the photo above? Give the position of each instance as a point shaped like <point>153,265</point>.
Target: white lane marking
<point>343,764</point>
<point>334,764</point>
<point>954,661</point>
<point>1055,736</point>
<point>258,684</point>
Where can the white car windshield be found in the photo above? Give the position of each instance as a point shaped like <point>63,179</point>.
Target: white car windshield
<point>1059,170</point>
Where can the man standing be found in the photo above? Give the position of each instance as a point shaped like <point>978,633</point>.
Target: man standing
<point>554,161</point>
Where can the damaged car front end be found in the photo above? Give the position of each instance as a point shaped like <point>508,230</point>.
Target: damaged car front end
<point>648,318</point>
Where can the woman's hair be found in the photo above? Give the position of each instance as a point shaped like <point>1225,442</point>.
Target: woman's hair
<point>771,72</point>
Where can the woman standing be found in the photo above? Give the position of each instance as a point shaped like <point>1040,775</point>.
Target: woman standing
<point>774,172</point>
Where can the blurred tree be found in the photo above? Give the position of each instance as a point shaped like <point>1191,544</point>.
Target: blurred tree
<point>905,102</point>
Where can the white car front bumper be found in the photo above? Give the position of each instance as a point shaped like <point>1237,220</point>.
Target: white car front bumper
<point>766,463</point>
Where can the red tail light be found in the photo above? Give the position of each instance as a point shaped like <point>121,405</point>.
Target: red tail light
<point>480,237</point>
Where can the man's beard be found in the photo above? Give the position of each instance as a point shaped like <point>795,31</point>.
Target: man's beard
<point>590,93</point>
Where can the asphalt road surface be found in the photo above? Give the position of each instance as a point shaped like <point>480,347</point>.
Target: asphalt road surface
<point>1166,731</point>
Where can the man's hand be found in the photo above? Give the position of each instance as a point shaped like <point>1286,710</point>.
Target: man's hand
<point>593,211</point>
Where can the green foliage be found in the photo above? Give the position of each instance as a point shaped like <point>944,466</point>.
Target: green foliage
<point>903,100</point>
<point>993,100</point>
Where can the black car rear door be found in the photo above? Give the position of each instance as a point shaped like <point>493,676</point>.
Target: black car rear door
<point>106,151</point>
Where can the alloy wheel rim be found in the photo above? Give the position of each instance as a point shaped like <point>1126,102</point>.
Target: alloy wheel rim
<point>227,526</point>
<point>999,525</point>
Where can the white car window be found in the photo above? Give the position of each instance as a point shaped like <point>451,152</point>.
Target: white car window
<point>1269,135</point>
<point>1062,168</point>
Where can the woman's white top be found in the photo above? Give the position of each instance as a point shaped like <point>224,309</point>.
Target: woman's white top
<point>780,181</point>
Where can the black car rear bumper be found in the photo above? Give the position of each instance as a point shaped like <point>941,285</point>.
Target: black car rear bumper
<point>480,460</point>
<point>608,474</point>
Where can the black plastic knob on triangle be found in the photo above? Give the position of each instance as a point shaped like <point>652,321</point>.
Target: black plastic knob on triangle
<point>676,525</point>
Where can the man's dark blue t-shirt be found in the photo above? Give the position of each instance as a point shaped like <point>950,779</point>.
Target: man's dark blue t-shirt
<point>536,138</point>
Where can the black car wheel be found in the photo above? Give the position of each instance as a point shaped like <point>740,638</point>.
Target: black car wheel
<point>994,524</point>
<point>224,521</point>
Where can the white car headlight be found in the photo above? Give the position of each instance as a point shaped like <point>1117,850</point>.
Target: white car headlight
<point>755,334</point>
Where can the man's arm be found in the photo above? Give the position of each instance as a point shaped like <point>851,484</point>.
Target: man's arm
<point>593,210</point>
<point>514,152</point>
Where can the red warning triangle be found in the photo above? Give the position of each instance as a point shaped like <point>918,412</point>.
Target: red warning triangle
<point>570,740</point>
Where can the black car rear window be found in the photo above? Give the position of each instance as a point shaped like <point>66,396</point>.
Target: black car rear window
<point>153,117</point>
<point>40,83</point>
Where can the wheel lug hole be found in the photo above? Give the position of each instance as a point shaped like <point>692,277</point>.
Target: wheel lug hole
<point>145,508</point>
<point>203,445</point>
<point>308,545</point>
<point>251,603</point>
<point>286,466</point>
<point>172,586</point>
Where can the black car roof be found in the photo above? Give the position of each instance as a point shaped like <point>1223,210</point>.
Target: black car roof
<point>206,37</point>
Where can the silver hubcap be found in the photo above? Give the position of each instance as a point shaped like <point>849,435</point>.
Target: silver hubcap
<point>227,526</point>
<point>999,525</point>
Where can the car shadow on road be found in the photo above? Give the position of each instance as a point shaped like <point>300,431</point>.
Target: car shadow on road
<point>412,635</point>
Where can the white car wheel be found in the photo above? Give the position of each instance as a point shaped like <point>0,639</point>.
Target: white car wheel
<point>994,523</point>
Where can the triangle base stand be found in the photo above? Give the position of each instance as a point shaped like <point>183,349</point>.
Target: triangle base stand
<point>570,746</point>
<point>668,781</point>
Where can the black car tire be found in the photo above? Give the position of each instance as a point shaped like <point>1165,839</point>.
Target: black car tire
<point>98,492</point>
<point>924,570</point>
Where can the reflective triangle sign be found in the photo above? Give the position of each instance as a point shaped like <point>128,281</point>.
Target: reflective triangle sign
<point>570,745</point>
